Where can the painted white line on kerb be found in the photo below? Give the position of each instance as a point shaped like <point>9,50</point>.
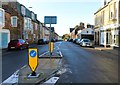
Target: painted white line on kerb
<point>61,54</point>
<point>43,54</point>
<point>13,79</point>
<point>51,81</point>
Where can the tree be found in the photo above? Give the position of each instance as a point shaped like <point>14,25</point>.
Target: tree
<point>65,36</point>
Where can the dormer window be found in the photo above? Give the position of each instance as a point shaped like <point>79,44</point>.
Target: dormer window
<point>23,10</point>
<point>33,16</point>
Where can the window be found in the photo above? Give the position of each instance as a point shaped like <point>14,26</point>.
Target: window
<point>36,26</point>
<point>1,18</point>
<point>92,32</point>
<point>27,23</point>
<point>23,10</point>
<point>111,11</point>
<point>14,21</point>
<point>115,10</point>
<point>102,17</point>
<point>111,15</point>
<point>33,16</point>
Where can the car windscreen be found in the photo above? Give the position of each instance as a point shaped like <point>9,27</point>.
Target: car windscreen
<point>86,40</point>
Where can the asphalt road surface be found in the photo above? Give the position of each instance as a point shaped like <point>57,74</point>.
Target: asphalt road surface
<point>16,59</point>
<point>87,65</point>
<point>81,65</point>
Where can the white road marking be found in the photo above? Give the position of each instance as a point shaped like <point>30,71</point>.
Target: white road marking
<point>51,81</point>
<point>43,54</point>
<point>13,79</point>
<point>6,53</point>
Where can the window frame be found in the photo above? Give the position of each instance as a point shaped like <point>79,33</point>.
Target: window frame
<point>23,10</point>
<point>3,17</point>
<point>15,22</point>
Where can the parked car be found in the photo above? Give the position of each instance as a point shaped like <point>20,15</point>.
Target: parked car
<point>70,40</point>
<point>78,41</point>
<point>74,40</point>
<point>86,42</point>
<point>18,44</point>
<point>41,41</point>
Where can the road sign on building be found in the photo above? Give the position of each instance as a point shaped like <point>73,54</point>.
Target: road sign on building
<point>33,58</point>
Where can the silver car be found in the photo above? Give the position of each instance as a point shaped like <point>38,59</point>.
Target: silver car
<point>86,42</point>
<point>78,41</point>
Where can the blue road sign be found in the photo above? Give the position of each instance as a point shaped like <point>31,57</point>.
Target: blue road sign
<point>50,19</point>
<point>33,53</point>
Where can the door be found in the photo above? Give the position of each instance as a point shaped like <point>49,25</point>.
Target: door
<point>4,40</point>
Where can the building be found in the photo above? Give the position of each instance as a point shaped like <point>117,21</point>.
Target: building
<point>41,30</point>
<point>46,33</point>
<point>56,36</point>
<point>13,20</point>
<point>86,33</point>
<point>21,22</point>
<point>73,35</point>
<point>4,33</point>
<point>107,20</point>
<point>77,28</point>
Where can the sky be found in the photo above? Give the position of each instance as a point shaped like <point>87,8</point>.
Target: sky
<point>69,12</point>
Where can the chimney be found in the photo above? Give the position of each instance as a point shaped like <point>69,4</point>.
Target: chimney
<point>105,2</point>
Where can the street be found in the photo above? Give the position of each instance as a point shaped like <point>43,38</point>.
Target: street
<point>15,59</point>
<point>88,66</point>
<point>82,64</point>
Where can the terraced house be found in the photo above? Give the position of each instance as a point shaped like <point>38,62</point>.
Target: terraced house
<point>13,19</point>
<point>107,24</point>
<point>4,33</point>
<point>21,22</point>
<point>18,22</point>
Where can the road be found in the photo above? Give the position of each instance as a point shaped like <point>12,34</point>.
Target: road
<point>16,59</point>
<point>88,65</point>
<point>82,65</point>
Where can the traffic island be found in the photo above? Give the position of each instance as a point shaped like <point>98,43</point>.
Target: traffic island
<point>55,54</point>
<point>46,68</point>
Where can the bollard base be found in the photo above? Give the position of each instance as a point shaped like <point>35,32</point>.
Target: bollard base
<point>33,75</point>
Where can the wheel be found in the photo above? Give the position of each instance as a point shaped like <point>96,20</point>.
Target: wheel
<point>21,48</point>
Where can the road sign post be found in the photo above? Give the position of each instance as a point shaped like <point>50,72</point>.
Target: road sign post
<point>50,20</point>
<point>33,60</point>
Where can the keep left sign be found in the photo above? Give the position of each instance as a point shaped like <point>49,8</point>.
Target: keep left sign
<point>33,58</point>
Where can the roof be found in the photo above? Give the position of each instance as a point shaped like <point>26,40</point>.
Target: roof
<point>102,7</point>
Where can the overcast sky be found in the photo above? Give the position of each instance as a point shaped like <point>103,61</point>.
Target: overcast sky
<point>69,12</point>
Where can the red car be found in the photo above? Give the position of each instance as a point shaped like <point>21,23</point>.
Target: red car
<point>18,44</point>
